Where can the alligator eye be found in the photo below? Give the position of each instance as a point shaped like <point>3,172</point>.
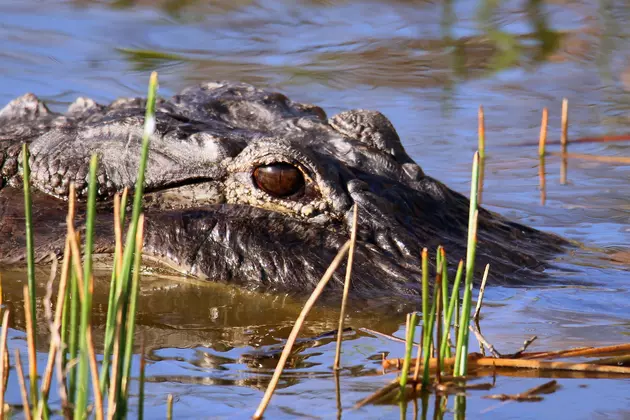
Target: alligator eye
<point>279,179</point>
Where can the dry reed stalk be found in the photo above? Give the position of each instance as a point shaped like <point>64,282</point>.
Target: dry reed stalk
<point>481,130</point>
<point>338,393</point>
<point>111,405</point>
<point>54,353</point>
<point>3,354</point>
<point>53,326</point>
<point>416,368</point>
<point>564,140</point>
<point>346,288</point>
<point>543,133</point>
<point>76,259</point>
<point>541,155</point>
<point>22,382</point>
<point>98,397</point>
<point>30,338</point>
<point>595,158</point>
<point>296,329</point>
<point>169,407</point>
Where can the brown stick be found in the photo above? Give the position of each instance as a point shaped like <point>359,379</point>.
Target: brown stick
<point>474,361</point>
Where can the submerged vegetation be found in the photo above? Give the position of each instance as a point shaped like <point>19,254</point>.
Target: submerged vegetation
<point>86,390</point>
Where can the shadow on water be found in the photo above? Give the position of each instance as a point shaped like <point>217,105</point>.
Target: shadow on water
<point>427,65</point>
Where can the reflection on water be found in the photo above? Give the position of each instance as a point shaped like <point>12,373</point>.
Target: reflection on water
<point>427,66</point>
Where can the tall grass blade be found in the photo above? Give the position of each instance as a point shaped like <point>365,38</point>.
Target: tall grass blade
<point>143,363</point>
<point>452,303</point>
<point>131,315</point>
<point>462,338</point>
<point>125,274</point>
<point>445,302</point>
<point>428,337</point>
<point>80,407</point>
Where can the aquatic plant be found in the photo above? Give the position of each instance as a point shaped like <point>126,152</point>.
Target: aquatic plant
<point>72,353</point>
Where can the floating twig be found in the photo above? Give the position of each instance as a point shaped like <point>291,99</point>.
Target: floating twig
<point>580,352</point>
<point>474,360</point>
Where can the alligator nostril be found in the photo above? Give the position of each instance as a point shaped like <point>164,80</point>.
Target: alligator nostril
<point>279,179</point>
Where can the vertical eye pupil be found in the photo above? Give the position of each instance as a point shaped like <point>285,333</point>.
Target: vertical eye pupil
<point>279,179</point>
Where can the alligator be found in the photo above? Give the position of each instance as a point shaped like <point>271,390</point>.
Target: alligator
<point>245,186</point>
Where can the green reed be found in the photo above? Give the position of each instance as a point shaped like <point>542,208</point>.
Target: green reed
<point>461,355</point>
<point>411,327</point>
<point>432,316</point>
<point>75,348</point>
<point>80,406</point>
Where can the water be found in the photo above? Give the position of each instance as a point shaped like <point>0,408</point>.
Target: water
<point>427,66</point>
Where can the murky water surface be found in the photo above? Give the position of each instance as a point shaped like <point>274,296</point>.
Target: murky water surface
<point>427,66</point>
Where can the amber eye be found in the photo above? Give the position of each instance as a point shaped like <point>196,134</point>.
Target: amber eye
<point>279,179</point>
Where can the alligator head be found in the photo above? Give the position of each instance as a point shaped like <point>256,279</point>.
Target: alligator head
<point>245,186</point>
